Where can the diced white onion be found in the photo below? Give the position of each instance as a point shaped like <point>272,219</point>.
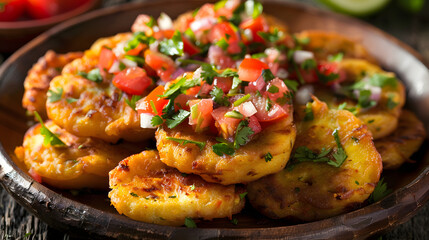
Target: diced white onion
<point>197,73</point>
<point>248,34</point>
<point>282,73</point>
<point>154,46</point>
<point>119,49</point>
<point>299,56</point>
<point>375,93</point>
<point>165,22</point>
<point>146,120</point>
<point>129,63</point>
<point>203,23</point>
<point>247,109</point>
<point>115,67</point>
<point>273,53</point>
<point>303,95</point>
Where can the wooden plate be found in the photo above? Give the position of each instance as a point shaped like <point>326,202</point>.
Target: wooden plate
<point>90,212</point>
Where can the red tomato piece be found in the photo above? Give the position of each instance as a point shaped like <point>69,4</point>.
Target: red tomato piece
<point>162,64</point>
<point>132,80</point>
<point>328,68</point>
<point>219,58</point>
<point>49,8</point>
<point>189,47</point>
<point>193,91</point>
<point>201,114</point>
<point>255,25</point>
<point>137,50</point>
<point>250,69</point>
<point>224,83</point>
<point>140,24</point>
<point>254,125</point>
<point>12,10</point>
<point>207,10</point>
<point>106,59</point>
<point>35,175</point>
<point>275,89</point>
<point>144,105</point>
<point>225,30</point>
<point>225,125</point>
<point>276,111</point>
<point>161,34</point>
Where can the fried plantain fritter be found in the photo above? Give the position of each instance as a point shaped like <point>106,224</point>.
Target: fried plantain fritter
<point>398,147</point>
<point>312,189</point>
<point>96,109</point>
<point>246,165</point>
<point>84,162</point>
<point>36,83</point>
<point>145,189</point>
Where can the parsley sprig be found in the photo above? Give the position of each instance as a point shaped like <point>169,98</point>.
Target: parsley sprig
<point>49,137</point>
<point>201,145</point>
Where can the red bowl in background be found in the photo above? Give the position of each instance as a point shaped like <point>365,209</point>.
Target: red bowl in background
<point>15,34</point>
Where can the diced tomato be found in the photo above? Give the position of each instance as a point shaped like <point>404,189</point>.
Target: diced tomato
<point>181,101</point>
<point>228,9</point>
<point>250,69</point>
<point>225,125</point>
<point>189,47</point>
<point>136,51</point>
<point>193,91</point>
<point>254,86</point>
<point>144,105</point>
<point>219,58</point>
<point>11,10</point>
<point>205,89</point>
<point>225,30</point>
<point>106,59</point>
<point>140,24</point>
<point>201,114</point>
<point>328,68</point>
<point>255,25</point>
<point>276,111</point>
<point>275,89</point>
<point>35,175</point>
<point>254,125</point>
<point>161,34</point>
<point>162,64</point>
<point>224,83</point>
<point>132,80</point>
<point>207,10</point>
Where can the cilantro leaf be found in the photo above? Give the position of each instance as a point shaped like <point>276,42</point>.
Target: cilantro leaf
<point>55,96</point>
<point>177,118</point>
<point>380,191</point>
<point>189,223</point>
<point>138,37</point>
<point>223,148</point>
<point>381,80</point>
<point>208,73</point>
<point>336,58</point>
<point>242,195</point>
<point>268,157</point>
<point>223,44</point>
<point>309,116</point>
<point>285,99</point>
<point>49,137</point>
<point>273,89</point>
<point>268,104</point>
<point>391,104</point>
<point>364,99</point>
<point>327,78</point>
<point>173,46</point>
<point>340,155</point>
<point>304,154</point>
<point>137,59</point>
<point>253,8</point>
<point>242,134</point>
<point>291,84</point>
<point>93,75</point>
<point>133,194</point>
<point>267,75</point>
<point>132,102</point>
<point>71,100</point>
<point>218,97</point>
<point>156,120</point>
<point>309,64</point>
<point>234,221</point>
<point>271,36</point>
<point>201,145</point>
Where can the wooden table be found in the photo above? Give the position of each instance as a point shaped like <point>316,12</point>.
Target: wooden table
<point>18,223</point>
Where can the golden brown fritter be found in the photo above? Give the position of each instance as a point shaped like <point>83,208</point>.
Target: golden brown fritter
<point>145,189</point>
<point>324,44</point>
<point>97,109</point>
<point>246,165</point>
<point>381,119</point>
<point>311,190</point>
<point>398,147</point>
<point>36,83</point>
<point>84,162</point>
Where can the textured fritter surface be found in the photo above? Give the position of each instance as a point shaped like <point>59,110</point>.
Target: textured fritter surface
<point>381,120</point>
<point>145,189</point>
<point>84,162</point>
<point>246,165</point>
<point>324,44</point>
<point>36,83</point>
<point>100,109</point>
<point>398,147</point>
<point>314,190</point>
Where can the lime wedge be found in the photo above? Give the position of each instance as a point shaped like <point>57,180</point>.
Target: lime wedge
<point>356,7</point>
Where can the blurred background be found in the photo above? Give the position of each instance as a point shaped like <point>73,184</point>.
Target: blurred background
<point>22,20</point>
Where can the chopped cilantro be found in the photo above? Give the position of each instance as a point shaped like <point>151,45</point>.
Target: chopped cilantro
<point>336,58</point>
<point>286,98</point>
<point>309,64</point>
<point>291,84</point>
<point>253,8</point>
<point>268,157</point>
<point>242,195</point>
<point>391,104</point>
<point>271,36</point>
<point>218,97</point>
<point>273,89</point>
<point>223,44</point>
<point>342,106</point>
<point>151,22</point>
<point>381,80</point>
<point>234,221</point>
<point>268,104</point>
<point>304,154</point>
<point>242,134</point>
<point>55,96</point>
<point>71,100</point>
<point>93,75</point>
<point>223,148</point>
<point>340,155</point>
<point>189,223</point>
<point>364,99</point>
<point>357,183</point>
<point>132,102</point>
<point>327,78</point>
<point>156,121</point>
<point>122,66</point>
<point>371,121</point>
<point>208,73</point>
<point>137,59</point>
<point>267,75</point>
<point>173,46</point>
<point>309,116</point>
<point>133,194</point>
<point>241,100</point>
<point>234,114</point>
<point>201,145</point>
<point>49,137</point>
<point>235,83</point>
<point>171,196</point>
<point>380,191</point>
<point>355,139</point>
<point>303,41</point>
<point>192,188</point>
<point>177,118</point>
<point>138,37</point>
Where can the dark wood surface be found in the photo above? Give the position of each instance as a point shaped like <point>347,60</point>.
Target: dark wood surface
<point>17,223</point>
